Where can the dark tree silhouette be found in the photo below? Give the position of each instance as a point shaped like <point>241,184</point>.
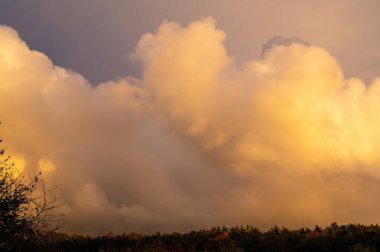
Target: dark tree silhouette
<point>26,211</point>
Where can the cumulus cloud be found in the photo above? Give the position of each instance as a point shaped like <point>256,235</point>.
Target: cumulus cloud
<point>198,141</point>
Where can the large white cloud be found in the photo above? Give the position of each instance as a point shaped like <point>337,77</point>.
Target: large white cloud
<point>197,141</point>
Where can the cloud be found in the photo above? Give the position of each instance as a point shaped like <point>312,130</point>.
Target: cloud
<point>198,141</point>
<point>279,40</point>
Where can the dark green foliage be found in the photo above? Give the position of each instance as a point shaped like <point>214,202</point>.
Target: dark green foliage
<point>350,238</point>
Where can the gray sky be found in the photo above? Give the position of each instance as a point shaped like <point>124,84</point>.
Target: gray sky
<point>95,37</point>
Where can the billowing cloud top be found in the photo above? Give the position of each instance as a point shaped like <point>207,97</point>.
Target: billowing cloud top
<point>197,141</point>
<point>279,40</point>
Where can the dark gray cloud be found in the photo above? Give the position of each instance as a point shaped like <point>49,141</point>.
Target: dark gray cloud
<point>278,40</point>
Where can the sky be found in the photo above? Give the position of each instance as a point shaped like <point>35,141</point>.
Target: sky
<point>179,115</point>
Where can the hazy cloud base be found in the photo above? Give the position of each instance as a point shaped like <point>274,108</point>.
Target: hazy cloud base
<point>198,141</point>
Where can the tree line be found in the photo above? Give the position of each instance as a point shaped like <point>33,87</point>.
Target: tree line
<point>351,237</point>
